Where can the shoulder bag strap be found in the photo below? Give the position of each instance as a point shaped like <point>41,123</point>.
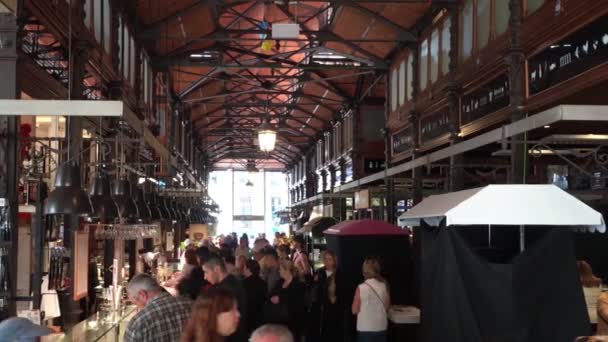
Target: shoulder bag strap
<point>377,295</point>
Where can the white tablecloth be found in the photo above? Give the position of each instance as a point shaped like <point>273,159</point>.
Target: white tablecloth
<point>399,314</point>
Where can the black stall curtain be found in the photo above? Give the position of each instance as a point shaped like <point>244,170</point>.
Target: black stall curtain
<point>465,298</point>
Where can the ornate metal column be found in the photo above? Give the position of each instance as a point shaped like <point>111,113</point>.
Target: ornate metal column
<point>515,58</point>
<point>9,132</point>
<point>456,172</point>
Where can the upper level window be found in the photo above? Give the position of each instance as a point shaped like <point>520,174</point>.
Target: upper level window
<point>97,17</point>
<point>409,77</point>
<point>501,15</point>
<point>402,83</point>
<point>435,53</point>
<point>107,27</point>
<point>466,30</point>
<point>481,21</point>
<point>424,63</point>
<point>533,5</point>
<point>394,90</point>
<point>445,47</point>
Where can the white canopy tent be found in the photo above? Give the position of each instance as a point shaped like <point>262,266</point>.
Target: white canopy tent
<point>516,205</point>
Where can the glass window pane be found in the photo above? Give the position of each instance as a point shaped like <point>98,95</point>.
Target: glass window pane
<point>125,54</point>
<point>483,23</point>
<point>107,24</point>
<point>410,77</point>
<point>87,13</point>
<point>120,44</point>
<point>132,66</point>
<point>434,55</point>
<point>466,31</point>
<point>501,16</point>
<point>424,63</point>
<point>533,5</point>
<point>97,19</point>
<point>445,47</point>
<point>402,83</point>
<point>145,75</point>
<point>394,90</point>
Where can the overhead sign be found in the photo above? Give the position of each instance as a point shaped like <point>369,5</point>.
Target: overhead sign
<point>434,125</point>
<point>374,165</point>
<point>571,56</point>
<point>489,98</point>
<point>403,141</point>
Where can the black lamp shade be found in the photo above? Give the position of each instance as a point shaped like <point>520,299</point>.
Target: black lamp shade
<point>121,192</point>
<point>155,212</point>
<point>143,211</point>
<point>164,212</point>
<point>101,198</point>
<point>68,197</point>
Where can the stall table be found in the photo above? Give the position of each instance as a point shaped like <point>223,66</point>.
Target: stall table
<point>104,326</point>
<point>404,322</point>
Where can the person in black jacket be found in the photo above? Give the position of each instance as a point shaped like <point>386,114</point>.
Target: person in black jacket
<point>289,296</point>
<point>256,292</point>
<point>328,307</point>
<point>193,280</point>
<point>217,275</point>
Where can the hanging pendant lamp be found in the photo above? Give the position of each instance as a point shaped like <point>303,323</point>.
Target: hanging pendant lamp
<point>167,209</point>
<point>101,198</point>
<point>143,211</point>
<point>68,197</point>
<point>267,137</point>
<point>121,192</point>
<point>155,211</point>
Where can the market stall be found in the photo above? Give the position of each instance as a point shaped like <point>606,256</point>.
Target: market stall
<point>535,296</point>
<point>314,238</point>
<point>353,241</point>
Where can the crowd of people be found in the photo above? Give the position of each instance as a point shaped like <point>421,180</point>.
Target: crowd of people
<point>268,293</point>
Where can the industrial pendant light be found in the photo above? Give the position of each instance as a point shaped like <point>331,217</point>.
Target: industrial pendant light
<point>143,211</point>
<point>68,197</point>
<point>153,204</point>
<point>121,193</point>
<point>121,188</point>
<point>167,212</point>
<point>101,198</point>
<point>267,137</point>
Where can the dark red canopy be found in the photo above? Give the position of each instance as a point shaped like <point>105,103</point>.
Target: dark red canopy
<point>364,227</point>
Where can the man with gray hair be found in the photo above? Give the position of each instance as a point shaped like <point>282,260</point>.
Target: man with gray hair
<point>272,333</point>
<point>160,317</point>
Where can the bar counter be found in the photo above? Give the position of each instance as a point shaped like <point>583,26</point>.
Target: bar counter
<point>104,326</point>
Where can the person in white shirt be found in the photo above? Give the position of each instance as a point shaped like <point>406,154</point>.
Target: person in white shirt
<point>371,303</point>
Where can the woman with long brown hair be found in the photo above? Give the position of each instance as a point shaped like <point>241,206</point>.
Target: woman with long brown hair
<point>215,316</point>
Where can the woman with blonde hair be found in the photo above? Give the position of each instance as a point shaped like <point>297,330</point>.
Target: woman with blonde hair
<point>371,303</point>
<point>215,316</point>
